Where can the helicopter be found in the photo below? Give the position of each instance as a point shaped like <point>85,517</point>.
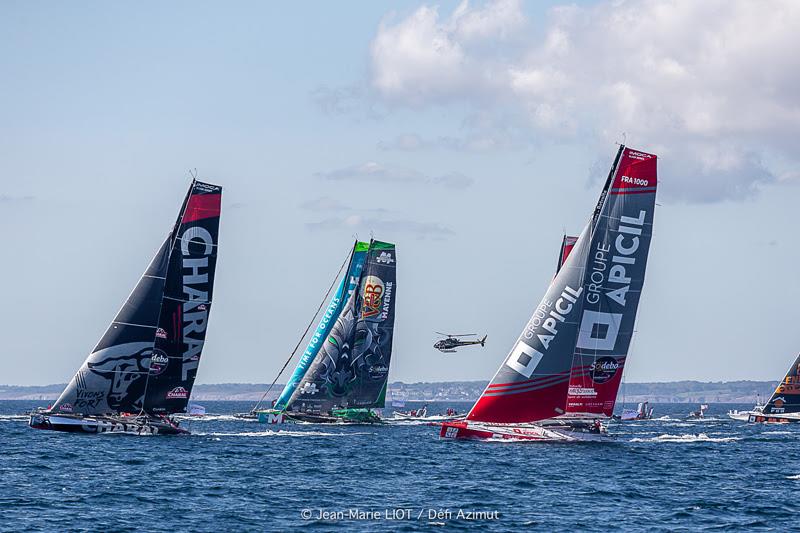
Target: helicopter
<point>451,342</point>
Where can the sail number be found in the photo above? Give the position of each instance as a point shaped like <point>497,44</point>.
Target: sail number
<point>635,181</point>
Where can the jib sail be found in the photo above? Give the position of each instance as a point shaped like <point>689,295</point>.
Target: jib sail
<point>186,303</point>
<point>590,318</point>
<point>345,289</point>
<point>786,398</point>
<point>113,377</point>
<point>352,367</point>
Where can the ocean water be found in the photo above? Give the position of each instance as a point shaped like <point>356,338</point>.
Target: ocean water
<point>232,475</point>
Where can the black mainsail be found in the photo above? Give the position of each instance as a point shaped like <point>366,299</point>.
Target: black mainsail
<point>146,361</point>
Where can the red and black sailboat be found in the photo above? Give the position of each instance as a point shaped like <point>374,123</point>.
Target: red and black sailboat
<point>584,323</point>
<point>144,366</point>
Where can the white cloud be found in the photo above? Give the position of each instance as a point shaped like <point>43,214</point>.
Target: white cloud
<point>424,58</point>
<point>323,203</point>
<point>12,199</point>
<point>376,172</point>
<point>385,226</point>
<point>710,86</point>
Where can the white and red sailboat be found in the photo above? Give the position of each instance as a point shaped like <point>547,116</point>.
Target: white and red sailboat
<point>569,357</point>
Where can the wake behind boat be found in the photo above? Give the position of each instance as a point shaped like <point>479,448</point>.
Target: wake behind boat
<point>143,369</point>
<point>586,316</point>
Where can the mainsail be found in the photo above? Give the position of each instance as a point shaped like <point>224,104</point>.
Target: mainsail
<point>786,398</point>
<point>351,369</point>
<point>186,303</point>
<point>118,375</point>
<point>344,291</point>
<point>588,311</point>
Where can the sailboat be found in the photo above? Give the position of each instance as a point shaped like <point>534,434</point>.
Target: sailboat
<point>344,371</point>
<point>143,368</point>
<point>348,283</point>
<point>784,404</point>
<point>587,314</point>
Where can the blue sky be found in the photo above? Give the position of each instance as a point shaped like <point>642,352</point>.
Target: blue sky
<point>471,135</point>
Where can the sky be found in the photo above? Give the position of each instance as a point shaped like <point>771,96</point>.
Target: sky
<point>470,134</point>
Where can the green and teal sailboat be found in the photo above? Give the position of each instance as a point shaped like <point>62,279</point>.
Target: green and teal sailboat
<point>344,370</point>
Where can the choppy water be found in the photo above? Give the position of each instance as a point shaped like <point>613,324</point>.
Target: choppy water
<point>234,475</point>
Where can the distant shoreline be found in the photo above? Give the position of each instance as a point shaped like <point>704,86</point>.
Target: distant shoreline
<point>463,391</point>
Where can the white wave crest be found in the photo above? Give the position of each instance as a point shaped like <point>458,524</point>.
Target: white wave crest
<point>281,433</point>
<point>796,476</point>
<point>686,438</point>
<point>214,418</point>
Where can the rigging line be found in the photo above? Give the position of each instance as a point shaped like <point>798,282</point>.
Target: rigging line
<point>313,319</point>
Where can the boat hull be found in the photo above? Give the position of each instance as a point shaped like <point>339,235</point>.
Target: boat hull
<point>341,417</point>
<point>102,424</point>
<point>466,430</point>
<point>761,418</point>
<point>271,417</point>
<point>433,418</point>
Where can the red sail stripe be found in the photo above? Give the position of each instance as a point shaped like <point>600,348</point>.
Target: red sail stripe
<point>533,380</point>
<point>503,387</point>
<point>524,407</point>
<point>630,191</point>
<point>202,206</point>
<point>520,390</point>
<point>525,388</point>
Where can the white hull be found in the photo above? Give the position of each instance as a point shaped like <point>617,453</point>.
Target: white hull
<point>742,416</point>
<point>528,432</point>
<point>432,418</point>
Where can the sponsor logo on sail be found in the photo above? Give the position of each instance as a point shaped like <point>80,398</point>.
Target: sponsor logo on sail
<point>582,391</point>
<point>197,245</point>
<point>158,362</point>
<point>373,296</point>
<point>66,407</point>
<point>161,333</point>
<point>309,388</point>
<point>378,368</point>
<point>385,257</point>
<point>178,393</point>
<point>603,369</point>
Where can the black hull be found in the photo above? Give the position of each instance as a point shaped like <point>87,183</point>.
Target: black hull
<point>310,418</point>
<point>104,424</point>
